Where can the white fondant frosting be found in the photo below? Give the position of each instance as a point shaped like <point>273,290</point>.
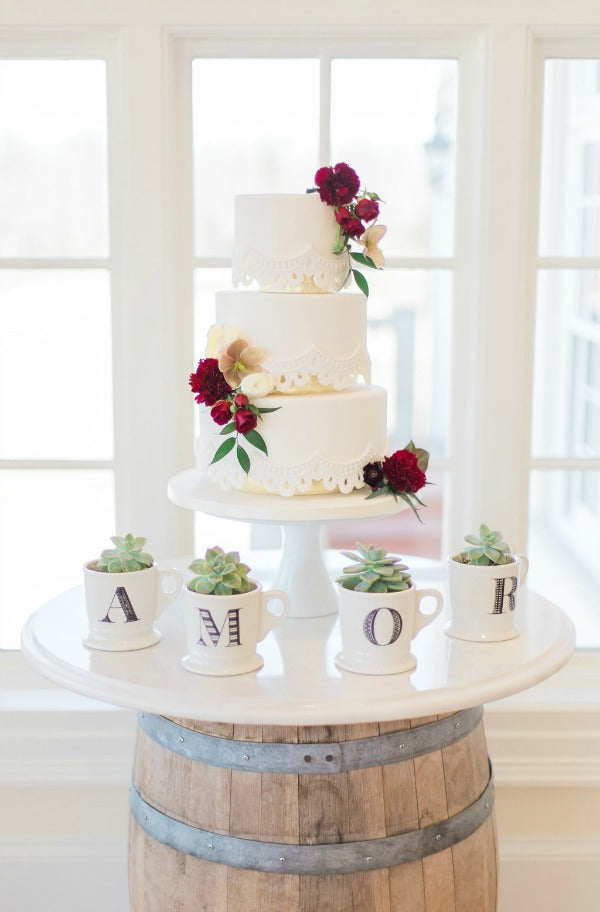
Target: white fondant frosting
<point>326,439</point>
<point>284,242</point>
<point>307,339</point>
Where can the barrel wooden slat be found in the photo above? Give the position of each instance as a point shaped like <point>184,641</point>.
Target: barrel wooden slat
<point>313,809</point>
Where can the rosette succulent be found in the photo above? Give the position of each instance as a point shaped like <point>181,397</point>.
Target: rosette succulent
<point>220,573</point>
<point>487,548</point>
<point>127,555</point>
<point>374,570</point>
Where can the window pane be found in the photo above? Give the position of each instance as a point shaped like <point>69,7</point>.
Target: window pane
<point>409,344</point>
<point>394,121</point>
<point>53,158</point>
<point>65,518</point>
<point>570,188</point>
<point>564,537</point>
<point>55,365</point>
<point>256,130</point>
<point>566,403</point>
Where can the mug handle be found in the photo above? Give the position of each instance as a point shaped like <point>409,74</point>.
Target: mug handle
<point>524,567</point>
<point>165,598</point>
<point>269,621</point>
<point>422,619</point>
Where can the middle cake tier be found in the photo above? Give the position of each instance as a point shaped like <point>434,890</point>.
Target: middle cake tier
<point>309,341</point>
<point>316,443</point>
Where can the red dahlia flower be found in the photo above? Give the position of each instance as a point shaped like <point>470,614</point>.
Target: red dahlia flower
<point>367,209</point>
<point>402,472</point>
<point>245,421</point>
<point>338,185</point>
<point>349,224</point>
<point>208,382</point>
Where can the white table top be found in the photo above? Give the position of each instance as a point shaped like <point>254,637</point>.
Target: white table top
<point>299,683</point>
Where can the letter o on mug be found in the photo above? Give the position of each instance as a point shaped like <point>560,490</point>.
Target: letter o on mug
<point>377,628</point>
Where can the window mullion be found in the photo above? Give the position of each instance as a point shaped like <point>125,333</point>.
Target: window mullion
<point>502,329</point>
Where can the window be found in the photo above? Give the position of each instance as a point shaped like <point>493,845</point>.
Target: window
<point>56,440</point>
<point>565,486</point>
<point>120,160</point>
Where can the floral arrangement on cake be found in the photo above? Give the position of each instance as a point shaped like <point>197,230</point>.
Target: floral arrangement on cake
<point>356,212</point>
<point>227,385</point>
<point>402,474</point>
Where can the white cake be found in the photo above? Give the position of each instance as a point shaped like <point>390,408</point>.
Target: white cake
<point>312,343</point>
<point>284,242</point>
<point>309,340</point>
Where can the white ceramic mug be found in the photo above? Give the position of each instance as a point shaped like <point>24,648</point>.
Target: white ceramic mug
<point>223,630</point>
<point>122,607</point>
<point>484,600</point>
<point>378,628</point>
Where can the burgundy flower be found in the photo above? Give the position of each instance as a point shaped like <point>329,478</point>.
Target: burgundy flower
<point>338,185</point>
<point>373,475</point>
<point>245,421</point>
<point>240,400</point>
<point>402,472</point>
<point>367,209</point>
<point>221,412</point>
<point>349,224</point>
<point>208,382</point>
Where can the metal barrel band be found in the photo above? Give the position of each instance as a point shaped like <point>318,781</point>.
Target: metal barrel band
<point>338,858</point>
<point>333,757</point>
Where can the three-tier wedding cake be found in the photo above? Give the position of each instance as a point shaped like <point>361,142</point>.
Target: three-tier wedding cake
<point>286,403</point>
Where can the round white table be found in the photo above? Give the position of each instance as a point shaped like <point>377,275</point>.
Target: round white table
<point>299,683</point>
<point>300,786</point>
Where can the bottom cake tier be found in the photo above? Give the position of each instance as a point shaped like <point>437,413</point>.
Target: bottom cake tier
<point>317,443</point>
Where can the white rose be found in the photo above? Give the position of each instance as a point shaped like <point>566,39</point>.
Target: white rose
<point>256,385</point>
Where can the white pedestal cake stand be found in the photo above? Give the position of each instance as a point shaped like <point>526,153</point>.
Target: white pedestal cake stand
<point>302,572</point>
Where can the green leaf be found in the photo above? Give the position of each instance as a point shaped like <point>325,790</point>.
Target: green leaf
<point>243,459</point>
<point>407,498</point>
<point>228,429</point>
<point>264,411</point>
<point>351,555</point>
<point>361,282</point>
<point>256,440</point>
<point>377,493</point>
<point>225,448</point>
<point>363,259</point>
<point>379,587</point>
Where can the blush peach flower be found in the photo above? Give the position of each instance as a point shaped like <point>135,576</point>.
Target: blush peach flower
<point>239,360</point>
<point>370,240</point>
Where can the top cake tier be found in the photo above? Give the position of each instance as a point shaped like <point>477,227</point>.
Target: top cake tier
<point>284,242</point>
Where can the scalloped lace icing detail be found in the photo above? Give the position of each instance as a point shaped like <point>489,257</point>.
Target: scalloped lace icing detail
<point>289,480</point>
<point>328,275</point>
<point>336,372</point>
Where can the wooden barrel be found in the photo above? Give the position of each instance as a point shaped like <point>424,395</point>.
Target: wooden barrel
<point>377,817</point>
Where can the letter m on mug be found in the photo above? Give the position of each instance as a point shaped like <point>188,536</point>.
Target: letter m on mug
<point>230,628</point>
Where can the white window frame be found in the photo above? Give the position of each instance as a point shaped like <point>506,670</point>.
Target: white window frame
<point>495,245</point>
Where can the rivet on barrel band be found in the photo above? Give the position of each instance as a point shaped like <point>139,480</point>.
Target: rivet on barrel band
<point>337,858</point>
<point>342,756</point>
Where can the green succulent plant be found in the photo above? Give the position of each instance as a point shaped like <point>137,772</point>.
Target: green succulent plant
<point>125,557</point>
<point>374,570</point>
<point>487,549</point>
<point>220,573</point>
